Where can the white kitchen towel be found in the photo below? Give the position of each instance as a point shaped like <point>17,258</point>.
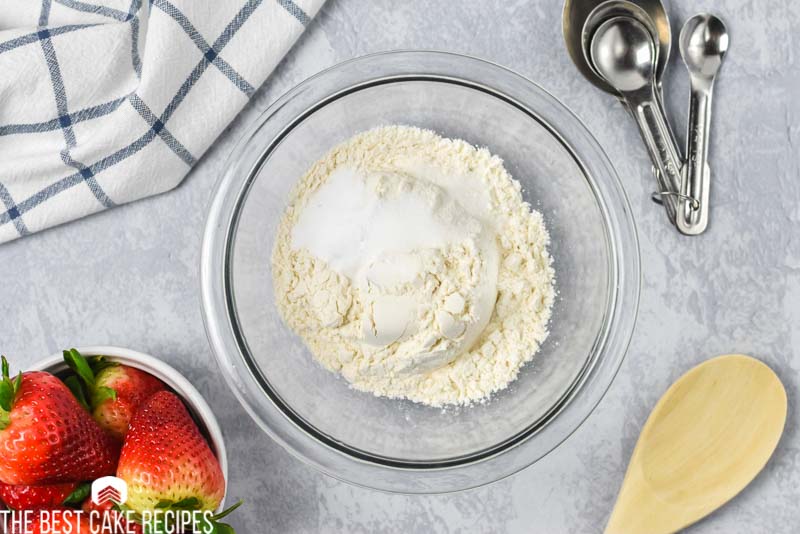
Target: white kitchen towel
<point>107,102</point>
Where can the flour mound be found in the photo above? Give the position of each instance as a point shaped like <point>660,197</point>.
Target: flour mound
<point>442,295</point>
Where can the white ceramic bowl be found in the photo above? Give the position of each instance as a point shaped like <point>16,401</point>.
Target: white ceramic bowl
<point>195,402</point>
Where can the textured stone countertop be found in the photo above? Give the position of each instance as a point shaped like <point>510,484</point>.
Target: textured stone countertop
<point>129,276</point>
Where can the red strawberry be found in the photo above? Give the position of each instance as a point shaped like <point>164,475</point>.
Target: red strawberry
<point>166,459</point>
<point>132,386</point>
<point>114,391</point>
<point>45,435</point>
<point>36,497</point>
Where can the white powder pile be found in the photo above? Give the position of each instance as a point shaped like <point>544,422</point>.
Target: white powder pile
<point>410,264</point>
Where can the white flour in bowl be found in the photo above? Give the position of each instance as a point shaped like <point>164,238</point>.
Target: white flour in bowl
<point>410,264</point>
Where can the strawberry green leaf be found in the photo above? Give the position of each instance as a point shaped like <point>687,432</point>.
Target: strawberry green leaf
<point>78,363</point>
<point>76,388</point>
<point>189,503</point>
<point>212,524</point>
<point>103,393</point>
<point>89,394</point>
<point>79,494</point>
<point>227,511</point>
<point>6,394</point>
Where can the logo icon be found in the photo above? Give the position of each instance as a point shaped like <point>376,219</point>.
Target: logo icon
<point>109,489</point>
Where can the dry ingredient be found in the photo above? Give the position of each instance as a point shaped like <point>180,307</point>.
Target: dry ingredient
<point>410,264</point>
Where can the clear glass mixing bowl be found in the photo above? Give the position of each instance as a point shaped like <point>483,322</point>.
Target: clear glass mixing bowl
<point>397,445</point>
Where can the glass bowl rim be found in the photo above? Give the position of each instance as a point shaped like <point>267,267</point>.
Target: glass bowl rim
<point>386,67</point>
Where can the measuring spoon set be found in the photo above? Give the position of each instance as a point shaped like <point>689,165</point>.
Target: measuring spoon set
<point>622,47</point>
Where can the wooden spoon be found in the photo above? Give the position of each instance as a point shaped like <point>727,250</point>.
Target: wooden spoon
<point>707,438</point>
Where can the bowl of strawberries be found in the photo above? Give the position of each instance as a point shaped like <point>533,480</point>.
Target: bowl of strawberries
<point>109,415</point>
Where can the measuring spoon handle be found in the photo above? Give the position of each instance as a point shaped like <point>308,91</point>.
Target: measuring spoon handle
<point>696,180</point>
<point>649,114</point>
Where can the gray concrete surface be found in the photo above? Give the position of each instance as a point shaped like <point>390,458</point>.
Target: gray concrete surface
<point>129,276</point>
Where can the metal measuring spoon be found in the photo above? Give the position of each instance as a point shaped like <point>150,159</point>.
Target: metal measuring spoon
<point>623,53</point>
<point>581,17</point>
<point>703,43</point>
<point>581,20</point>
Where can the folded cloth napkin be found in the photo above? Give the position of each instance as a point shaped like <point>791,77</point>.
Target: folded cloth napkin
<point>111,101</point>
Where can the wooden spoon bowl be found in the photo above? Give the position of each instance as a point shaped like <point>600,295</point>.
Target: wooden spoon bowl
<point>709,435</point>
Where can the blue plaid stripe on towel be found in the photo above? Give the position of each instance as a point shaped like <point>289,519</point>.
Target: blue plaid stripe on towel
<point>107,102</point>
